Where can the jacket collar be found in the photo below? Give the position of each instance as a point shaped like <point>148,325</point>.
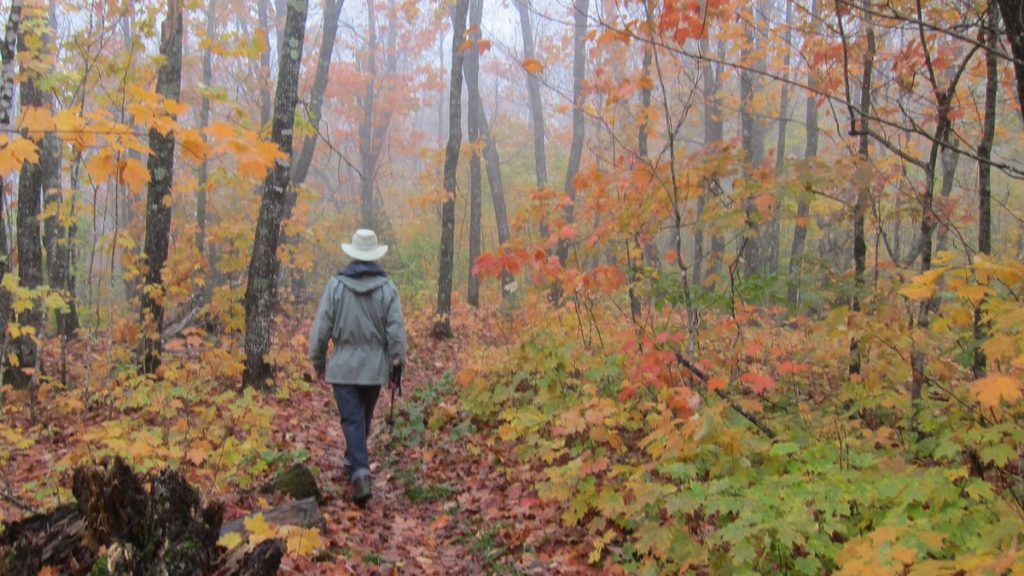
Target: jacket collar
<point>359,269</point>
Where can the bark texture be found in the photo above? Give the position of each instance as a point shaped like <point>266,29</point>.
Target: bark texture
<point>863,193</point>
<point>1013,19</point>
<point>30,193</point>
<point>158,207</point>
<point>979,365</point>
<point>261,286</point>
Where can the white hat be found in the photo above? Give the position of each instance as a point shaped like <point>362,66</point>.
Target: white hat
<point>364,246</point>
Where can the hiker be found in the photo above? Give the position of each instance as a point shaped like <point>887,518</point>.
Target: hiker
<point>359,312</point>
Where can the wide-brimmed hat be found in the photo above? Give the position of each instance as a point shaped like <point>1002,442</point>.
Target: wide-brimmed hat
<point>364,246</point>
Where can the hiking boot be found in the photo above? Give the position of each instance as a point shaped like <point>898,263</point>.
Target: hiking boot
<point>361,490</point>
<point>346,470</point>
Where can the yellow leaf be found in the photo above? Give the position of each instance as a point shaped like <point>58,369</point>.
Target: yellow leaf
<point>532,66</point>
<point>101,166</point>
<point>175,108</point>
<point>193,147</point>
<point>134,174</point>
<point>35,122</point>
<point>922,287</point>
<point>220,131</point>
<point>994,388</point>
<point>231,540</point>
<point>14,154</point>
<point>301,541</point>
<point>259,529</point>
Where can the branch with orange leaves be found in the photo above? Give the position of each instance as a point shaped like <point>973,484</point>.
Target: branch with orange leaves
<point>703,377</point>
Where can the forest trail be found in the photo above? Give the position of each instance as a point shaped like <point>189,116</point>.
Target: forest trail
<point>438,506</point>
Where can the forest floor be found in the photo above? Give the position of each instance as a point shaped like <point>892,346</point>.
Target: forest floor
<point>447,499</point>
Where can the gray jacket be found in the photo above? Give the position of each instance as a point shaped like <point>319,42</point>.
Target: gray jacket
<point>363,317</point>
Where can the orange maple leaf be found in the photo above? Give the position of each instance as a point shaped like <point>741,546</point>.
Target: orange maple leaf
<point>994,388</point>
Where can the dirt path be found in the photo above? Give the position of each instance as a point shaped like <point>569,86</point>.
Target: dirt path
<point>415,523</point>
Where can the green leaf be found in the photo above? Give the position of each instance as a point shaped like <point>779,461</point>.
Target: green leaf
<point>998,455</point>
<point>784,448</point>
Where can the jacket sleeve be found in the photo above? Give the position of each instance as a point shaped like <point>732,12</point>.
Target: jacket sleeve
<point>395,328</point>
<point>323,324</point>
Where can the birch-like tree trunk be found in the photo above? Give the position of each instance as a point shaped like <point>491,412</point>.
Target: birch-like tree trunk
<point>261,286</point>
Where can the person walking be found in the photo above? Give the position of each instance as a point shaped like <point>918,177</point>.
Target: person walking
<point>361,314</point>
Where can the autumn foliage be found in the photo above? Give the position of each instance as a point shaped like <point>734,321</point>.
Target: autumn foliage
<point>745,294</point>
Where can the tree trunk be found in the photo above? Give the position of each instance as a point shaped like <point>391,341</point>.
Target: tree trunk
<point>442,325</point>
<point>332,14</point>
<point>752,138</point>
<point>540,161</point>
<point>579,68</point>
<point>985,175</point>
<point>204,168</point>
<point>803,205</point>
<point>714,129</point>
<point>775,234</point>
<point>863,194</point>
<point>265,103</point>
<point>261,286</point>
<point>492,165</point>
<point>1013,18</point>
<point>30,189</point>
<point>471,64</point>
<point>367,146</point>
<point>158,209</point>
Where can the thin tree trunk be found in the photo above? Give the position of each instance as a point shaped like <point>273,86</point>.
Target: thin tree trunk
<point>775,234</point>
<point>442,325</point>
<point>204,168</point>
<point>752,138</point>
<point>985,176</point>
<point>714,129</point>
<point>863,193</point>
<point>367,146</point>
<point>492,165</point>
<point>265,102</point>
<point>261,287</point>
<point>471,64</point>
<point>579,67</point>
<point>540,161</point>
<point>332,15</point>
<point>950,162</point>
<point>158,209</point>
<point>803,206</point>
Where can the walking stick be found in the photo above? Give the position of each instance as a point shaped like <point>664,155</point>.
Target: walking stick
<point>396,386</point>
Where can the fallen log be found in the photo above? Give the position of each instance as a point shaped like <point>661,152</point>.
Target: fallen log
<point>163,530</point>
<point>304,513</point>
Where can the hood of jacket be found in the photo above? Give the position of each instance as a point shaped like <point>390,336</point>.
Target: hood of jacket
<point>363,277</point>
<point>363,284</point>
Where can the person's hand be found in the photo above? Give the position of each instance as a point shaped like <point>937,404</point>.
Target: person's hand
<point>396,375</point>
<point>321,378</point>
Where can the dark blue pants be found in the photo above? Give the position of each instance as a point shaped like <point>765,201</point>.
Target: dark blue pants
<point>355,406</point>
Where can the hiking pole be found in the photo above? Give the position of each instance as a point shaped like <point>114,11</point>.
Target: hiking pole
<point>396,386</point>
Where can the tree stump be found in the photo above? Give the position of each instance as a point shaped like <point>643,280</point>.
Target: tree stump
<point>165,530</point>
